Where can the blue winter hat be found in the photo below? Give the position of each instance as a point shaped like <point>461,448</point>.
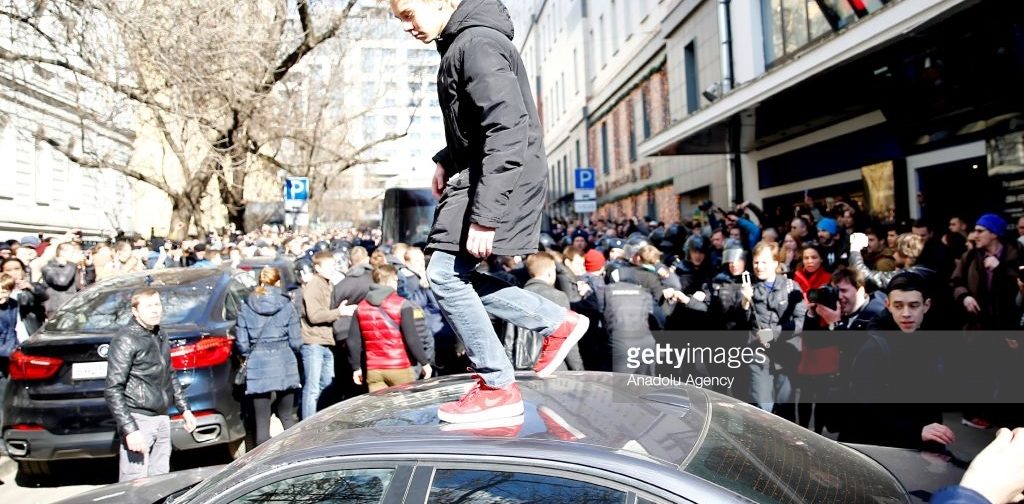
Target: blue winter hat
<point>828,224</point>
<point>993,223</point>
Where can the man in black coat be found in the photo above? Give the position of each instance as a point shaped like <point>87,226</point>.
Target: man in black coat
<point>895,377</point>
<point>353,289</point>
<point>491,181</point>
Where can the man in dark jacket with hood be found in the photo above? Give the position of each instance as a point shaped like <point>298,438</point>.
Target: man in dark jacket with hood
<point>491,180</point>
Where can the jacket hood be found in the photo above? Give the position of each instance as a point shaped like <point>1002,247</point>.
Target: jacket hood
<point>268,303</point>
<point>377,294</point>
<point>486,13</point>
<point>358,270</point>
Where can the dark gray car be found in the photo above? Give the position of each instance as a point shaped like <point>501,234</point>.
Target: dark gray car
<point>54,407</point>
<point>585,437</point>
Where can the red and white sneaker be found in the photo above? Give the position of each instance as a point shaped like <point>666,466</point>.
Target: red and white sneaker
<point>558,344</point>
<point>483,403</point>
<point>558,426</point>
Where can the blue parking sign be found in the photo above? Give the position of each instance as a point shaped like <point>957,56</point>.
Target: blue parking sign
<point>296,188</point>
<point>586,178</point>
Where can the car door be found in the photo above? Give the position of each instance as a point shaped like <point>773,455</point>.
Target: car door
<point>509,483</point>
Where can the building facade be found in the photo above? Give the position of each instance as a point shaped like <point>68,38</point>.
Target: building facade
<point>42,190</point>
<point>880,102</point>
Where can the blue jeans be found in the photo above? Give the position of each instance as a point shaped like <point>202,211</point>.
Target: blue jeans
<point>318,364</point>
<point>767,388</point>
<point>466,297</point>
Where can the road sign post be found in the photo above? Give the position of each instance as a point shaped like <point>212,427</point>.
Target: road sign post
<point>585,190</point>
<point>296,201</point>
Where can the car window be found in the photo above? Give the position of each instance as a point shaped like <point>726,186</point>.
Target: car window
<point>238,290</point>
<point>451,486</point>
<point>110,309</point>
<point>352,486</point>
<point>770,460</point>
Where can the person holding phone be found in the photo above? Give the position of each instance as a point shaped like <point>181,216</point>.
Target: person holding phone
<point>776,310</point>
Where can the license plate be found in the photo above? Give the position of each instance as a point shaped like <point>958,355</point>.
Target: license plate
<point>88,370</point>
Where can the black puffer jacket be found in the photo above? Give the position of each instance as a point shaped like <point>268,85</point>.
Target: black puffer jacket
<point>494,161</point>
<point>139,376</point>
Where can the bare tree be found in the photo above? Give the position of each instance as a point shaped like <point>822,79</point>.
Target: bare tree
<point>218,81</point>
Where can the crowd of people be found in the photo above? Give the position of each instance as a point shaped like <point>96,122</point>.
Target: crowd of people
<point>886,323</point>
<point>824,295</point>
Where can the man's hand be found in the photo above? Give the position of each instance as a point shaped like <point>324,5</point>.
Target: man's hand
<point>190,421</point>
<point>972,305</point>
<point>345,309</point>
<point>583,288</point>
<point>1012,344</point>
<point>427,371</point>
<point>991,263</point>
<point>135,442</point>
<point>357,376</point>
<point>858,242</point>
<point>437,184</point>
<point>938,433</point>
<point>997,472</point>
<point>479,241</point>
<point>827,314</point>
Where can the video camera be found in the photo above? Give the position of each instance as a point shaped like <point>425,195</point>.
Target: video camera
<point>826,295</point>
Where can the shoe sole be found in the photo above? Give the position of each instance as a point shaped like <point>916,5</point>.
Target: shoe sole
<point>495,413</point>
<point>492,423</point>
<point>570,341</point>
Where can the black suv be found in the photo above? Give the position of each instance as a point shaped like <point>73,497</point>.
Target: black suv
<point>54,407</point>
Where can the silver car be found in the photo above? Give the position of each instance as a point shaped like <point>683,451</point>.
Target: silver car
<point>585,437</point>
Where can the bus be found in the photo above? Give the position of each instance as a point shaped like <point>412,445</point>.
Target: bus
<point>407,215</point>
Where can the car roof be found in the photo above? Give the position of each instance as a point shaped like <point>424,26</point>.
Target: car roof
<point>607,415</point>
<point>159,278</point>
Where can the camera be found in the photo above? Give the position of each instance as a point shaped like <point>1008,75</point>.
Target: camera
<point>705,205</point>
<point>827,295</point>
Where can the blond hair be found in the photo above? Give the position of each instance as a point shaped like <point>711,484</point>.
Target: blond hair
<point>540,263</point>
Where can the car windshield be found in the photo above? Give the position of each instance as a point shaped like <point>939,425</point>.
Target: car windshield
<point>104,310</point>
<point>770,460</point>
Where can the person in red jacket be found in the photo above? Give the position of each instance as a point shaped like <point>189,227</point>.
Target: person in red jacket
<point>390,328</point>
<point>819,358</point>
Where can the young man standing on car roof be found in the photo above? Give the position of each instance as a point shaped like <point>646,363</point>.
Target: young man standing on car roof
<point>491,181</point>
<point>140,386</point>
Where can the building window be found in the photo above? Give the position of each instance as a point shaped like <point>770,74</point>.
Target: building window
<point>692,86</point>
<point>605,164</point>
<point>632,131</point>
<point>646,114</point>
<point>615,29</point>
<point>563,92</point>
<point>558,171</point>
<point>602,40</point>
<point>568,170</point>
<point>9,153</point>
<point>575,72</point>
<point>579,161</point>
<point>793,24</point>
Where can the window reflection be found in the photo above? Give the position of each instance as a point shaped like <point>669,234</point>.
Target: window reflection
<point>453,486</point>
<point>359,486</point>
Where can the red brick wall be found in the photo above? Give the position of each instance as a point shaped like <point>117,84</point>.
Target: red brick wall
<point>668,204</point>
<point>620,121</point>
